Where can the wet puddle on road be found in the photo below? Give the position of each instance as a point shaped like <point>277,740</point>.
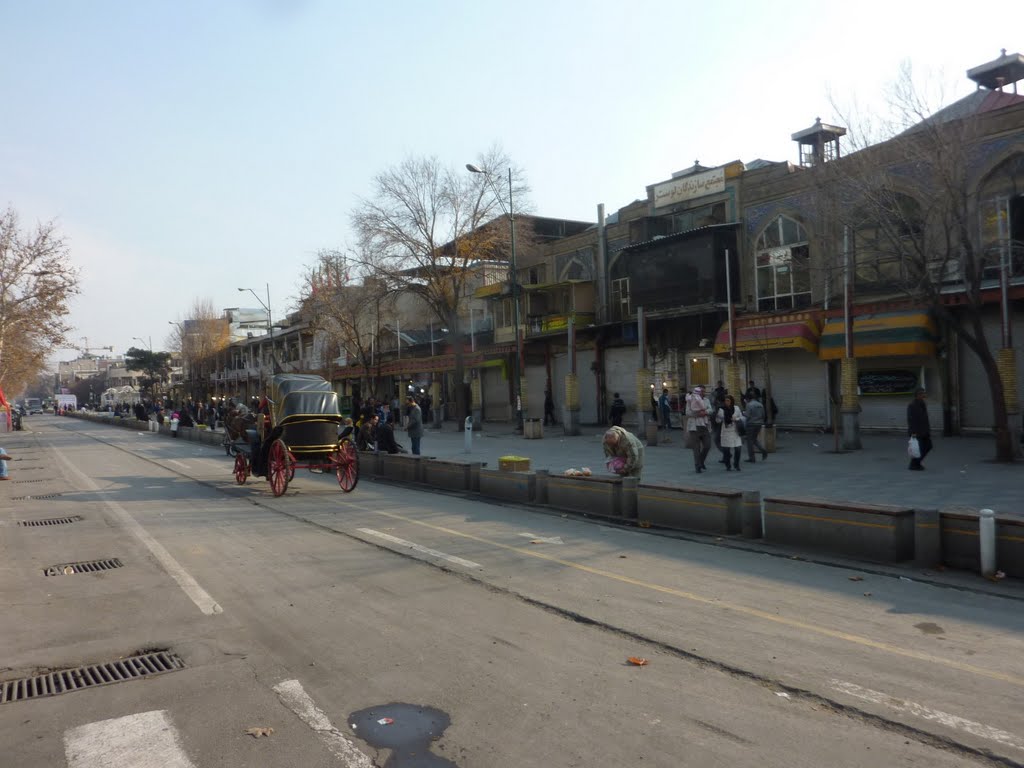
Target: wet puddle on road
<point>405,729</point>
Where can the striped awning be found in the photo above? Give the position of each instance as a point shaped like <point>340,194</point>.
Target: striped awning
<point>882,334</point>
<point>796,330</point>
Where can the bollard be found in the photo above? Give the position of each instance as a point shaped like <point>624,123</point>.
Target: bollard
<point>467,431</point>
<point>987,539</point>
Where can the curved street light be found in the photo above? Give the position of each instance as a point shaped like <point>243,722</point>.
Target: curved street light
<point>513,284</point>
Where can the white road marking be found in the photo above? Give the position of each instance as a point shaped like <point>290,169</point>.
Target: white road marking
<point>191,587</point>
<point>294,696</point>
<point>143,740</point>
<point>181,464</point>
<point>926,713</point>
<point>545,539</point>
<point>420,548</point>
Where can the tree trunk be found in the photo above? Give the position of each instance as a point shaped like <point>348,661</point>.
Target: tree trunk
<point>1000,420</point>
<point>461,406</point>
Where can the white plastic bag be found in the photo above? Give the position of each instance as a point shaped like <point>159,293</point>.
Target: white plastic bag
<point>913,448</point>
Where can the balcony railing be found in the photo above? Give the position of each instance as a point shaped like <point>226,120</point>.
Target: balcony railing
<point>507,334</point>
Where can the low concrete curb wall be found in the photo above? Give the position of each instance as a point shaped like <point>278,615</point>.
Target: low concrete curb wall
<point>450,474</point>
<point>518,487</point>
<point>400,468</point>
<point>369,464</point>
<point>596,495</point>
<point>869,531</point>
<point>961,548</point>
<point>692,509</point>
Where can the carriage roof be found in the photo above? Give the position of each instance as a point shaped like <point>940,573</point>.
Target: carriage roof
<point>298,395</point>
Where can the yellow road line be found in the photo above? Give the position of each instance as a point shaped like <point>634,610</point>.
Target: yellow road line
<point>865,642</point>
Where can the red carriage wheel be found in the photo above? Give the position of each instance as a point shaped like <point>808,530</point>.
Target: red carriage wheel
<point>345,459</point>
<point>291,466</point>
<point>241,468</point>
<point>278,465</point>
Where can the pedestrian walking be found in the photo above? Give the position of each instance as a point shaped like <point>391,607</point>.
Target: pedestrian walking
<point>618,410</point>
<point>624,451</point>
<point>415,428</point>
<point>755,421</point>
<point>698,426</point>
<point>665,409</point>
<point>549,408</point>
<point>918,426</point>
<point>730,417</point>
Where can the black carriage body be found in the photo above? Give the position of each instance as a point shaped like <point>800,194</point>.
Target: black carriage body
<point>306,415</point>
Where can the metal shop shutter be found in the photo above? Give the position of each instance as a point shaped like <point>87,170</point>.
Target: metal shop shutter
<point>798,387</point>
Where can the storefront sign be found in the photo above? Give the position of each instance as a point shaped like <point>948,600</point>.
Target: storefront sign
<point>898,382</point>
<point>689,187</point>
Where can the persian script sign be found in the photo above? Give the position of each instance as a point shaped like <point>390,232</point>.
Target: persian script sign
<point>689,187</point>
<point>887,382</point>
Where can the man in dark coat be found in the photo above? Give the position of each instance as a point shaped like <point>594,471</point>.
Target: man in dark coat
<point>919,427</point>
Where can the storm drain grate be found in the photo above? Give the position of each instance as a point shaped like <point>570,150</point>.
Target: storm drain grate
<point>37,480</point>
<point>67,680</point>
<point>50,521</point>
<point>88,566</point>
<point>33,498</point>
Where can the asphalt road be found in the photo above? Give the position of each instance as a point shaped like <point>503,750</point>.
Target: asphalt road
<point>295,613</point>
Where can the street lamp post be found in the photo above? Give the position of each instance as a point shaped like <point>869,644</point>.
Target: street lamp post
<point>513,284</point>
<point>270,324</point>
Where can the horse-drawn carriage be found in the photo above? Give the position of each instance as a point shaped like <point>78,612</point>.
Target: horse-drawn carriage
<point>300,430</point>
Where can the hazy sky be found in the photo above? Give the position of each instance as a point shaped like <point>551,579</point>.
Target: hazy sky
<point>189,148</point>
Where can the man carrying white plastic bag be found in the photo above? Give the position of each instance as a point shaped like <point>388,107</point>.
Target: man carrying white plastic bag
<point>919,429</point>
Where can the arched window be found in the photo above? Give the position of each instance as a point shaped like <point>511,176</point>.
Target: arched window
<point>1001,208</point>
<point>782,273</point>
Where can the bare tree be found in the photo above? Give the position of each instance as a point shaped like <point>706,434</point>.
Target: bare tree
<point>908,206</point>
<point>199,338</point>
<point>36,283</point>
<point>345,313</point>
<point>424,229</point>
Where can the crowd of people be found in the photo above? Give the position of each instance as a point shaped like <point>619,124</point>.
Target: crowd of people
<point>716,419</point>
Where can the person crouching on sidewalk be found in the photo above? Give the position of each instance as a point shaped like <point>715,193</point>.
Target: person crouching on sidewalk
<point>621,444</point>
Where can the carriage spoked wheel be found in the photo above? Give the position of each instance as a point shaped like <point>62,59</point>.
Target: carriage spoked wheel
<point>278,466</point>
<point>291,466</point>
<point>345,462</point>
<point>241,468</point>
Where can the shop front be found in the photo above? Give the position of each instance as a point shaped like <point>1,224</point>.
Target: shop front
<point>779,351</point>
<point>896,353</point>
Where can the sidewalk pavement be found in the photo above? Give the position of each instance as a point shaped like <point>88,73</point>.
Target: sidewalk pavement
<point>960,471</point>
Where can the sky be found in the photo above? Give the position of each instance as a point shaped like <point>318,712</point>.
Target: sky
<point>187,149</point>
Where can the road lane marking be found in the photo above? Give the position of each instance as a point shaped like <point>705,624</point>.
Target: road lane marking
<point>544,539</point>
<point>419,548</point>
<point>817,629</point>
<point>190,586</point>
<point>143,740</point>
<point>181,464</point>
<point>926,713</point>
<point>294,696</point>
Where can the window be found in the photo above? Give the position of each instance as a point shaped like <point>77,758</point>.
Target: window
<point>704,216</point>
<point>885,249</point>
<point>782,267</point>
<point>619,307</point>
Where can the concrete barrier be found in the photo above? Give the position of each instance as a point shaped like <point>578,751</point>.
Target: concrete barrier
<point>520,487</point>
<point>596,495</point>
<point>401,468</point>
<point>958,533</point>
<point>868,531</point>
<point>369,464</point>
<point>691,509</point>
<point>452,475</point>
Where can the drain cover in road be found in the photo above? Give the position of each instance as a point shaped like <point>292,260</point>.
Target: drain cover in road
<point>67,680</point>
<point>87,566</point>
<point>50,521</point>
